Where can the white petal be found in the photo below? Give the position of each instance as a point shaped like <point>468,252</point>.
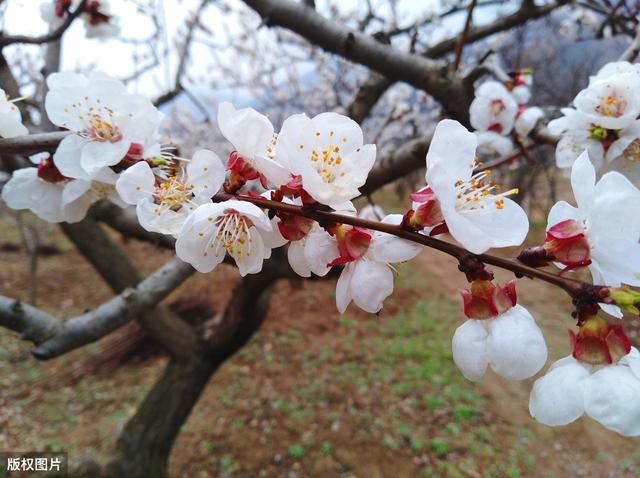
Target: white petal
<point>157,218</point>
<point>249,131</point>
<point>67,157</point>
<point>206,173</point>
<point>612,397</point>
<point>136,183</point>
<point>516,347</point>
<point>454,145</point>
<point>320,249</point>
<point>98,154</point>
<point>583,180</point>
<point>480,230</point>
<point>469,346</point>
<point>297,259</point>
<point>343,288</point>
<point>561,211</point>
<point>372,282</point>
<point>558,397</point>
<point>391,249</point>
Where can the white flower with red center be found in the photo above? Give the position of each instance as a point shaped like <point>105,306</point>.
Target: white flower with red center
<point>498,333</point>
<point>475,216</point>
<point>611,103</point>
<point>164,201</point>
<point>601,379</point>
<point>254,140</point>
<point>493,109</point>
<point>231,227</point>
<point>10,119</point>
<point>107,121</point>
<point>367,278</point>
<point>98,20</point>
<point>522,81</point>
<point>602,231</point>
<point>327,151</point>
<point>53,197</point>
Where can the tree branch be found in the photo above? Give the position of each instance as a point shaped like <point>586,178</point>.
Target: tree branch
<point>55,337</point>
<point>32,143</point>
<point>116,312</point>
<point>32,323</point>
<point>175,335</point>
<point>572,287</point>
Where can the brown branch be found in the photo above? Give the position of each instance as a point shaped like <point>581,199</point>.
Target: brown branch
<point>572,287</point>
<point>32,143</point>
<point>463,36</point>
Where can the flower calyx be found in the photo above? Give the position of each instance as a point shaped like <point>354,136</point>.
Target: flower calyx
<point>485,300</point>
<point>599,343</point>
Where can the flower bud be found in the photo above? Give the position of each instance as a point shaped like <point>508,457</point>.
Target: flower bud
<point>293,227</point>
<point>240,171</point>
<point>353,242</point>
<point>628,300</point>
<point>567,243</point>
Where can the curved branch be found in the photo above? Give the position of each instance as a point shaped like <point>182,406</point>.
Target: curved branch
<point>571,286</point>
<point>55,338</point>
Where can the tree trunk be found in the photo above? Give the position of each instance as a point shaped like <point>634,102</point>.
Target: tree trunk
<point>145,444</point>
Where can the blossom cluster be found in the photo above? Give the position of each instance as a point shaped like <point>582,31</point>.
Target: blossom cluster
<point>501,110</point>
<point>273,187</point>
<point>603,121</point>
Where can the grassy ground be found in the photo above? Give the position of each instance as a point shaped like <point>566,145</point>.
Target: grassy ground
<point>314,393</point>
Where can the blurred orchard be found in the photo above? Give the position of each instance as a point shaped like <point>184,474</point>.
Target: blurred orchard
<point>369,238</point>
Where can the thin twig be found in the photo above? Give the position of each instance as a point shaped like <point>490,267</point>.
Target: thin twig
<point>571,286</point>
<point>463,36</point>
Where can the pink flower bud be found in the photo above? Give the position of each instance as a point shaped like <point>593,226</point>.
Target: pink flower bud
<point>568,244</point>
<point>241,171</point>
<point>427,212</point>
<point>294,228</point>
<point>353,243</point>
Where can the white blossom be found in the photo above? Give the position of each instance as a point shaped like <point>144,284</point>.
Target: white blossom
<point>106,121</point>
<point>327,151</point>
<point>163,203</point>
<point>368,280</point>
<point>607,213</point>
<point>215,229</point>
<point>511,344</point>
<point>609,394</point>
<point>493,109</point>
<point>475,217</point>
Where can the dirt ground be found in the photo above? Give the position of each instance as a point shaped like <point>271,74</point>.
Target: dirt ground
<point>314,394</point>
